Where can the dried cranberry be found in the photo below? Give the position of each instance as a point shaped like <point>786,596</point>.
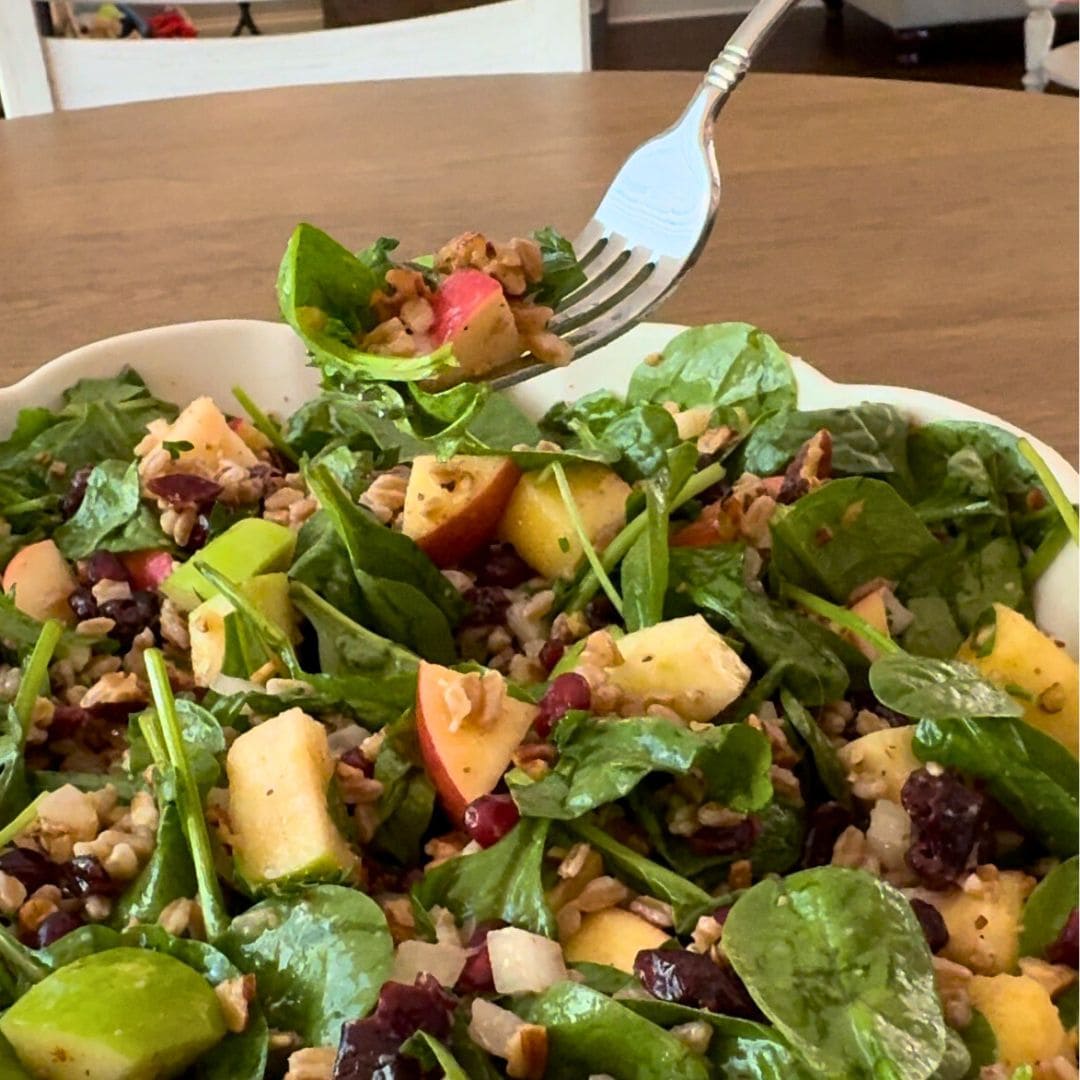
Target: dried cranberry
<point>30,867</point>
<point>200,533</point>
<point>600,612</point>
<point>105,566</point>
<point>726,839</point>
<point>424,1006</point>
<point>354,756</point>
<point>823,829</point>
<point>83,604</point>
<point>488,819</point>
<point>1065,949</point>
<point>84,876</point>
<point>551,653</point>
<point>476,976</point>
<point>933,925</point>
<point>133,615</point>
<point>500,564</point>
<point>367,1052</point>
<point>948,821</point>
<point>487,605</point>
<point>569,691</point>
<point>67,719</point>
<point>693,979</point>
<point>52,928</point>
<point>76,492</point>
<point>185,489</point>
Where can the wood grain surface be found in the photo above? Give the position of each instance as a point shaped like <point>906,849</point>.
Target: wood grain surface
<point>887,232</point>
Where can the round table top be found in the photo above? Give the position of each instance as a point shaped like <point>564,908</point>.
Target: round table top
<point>887,232</point>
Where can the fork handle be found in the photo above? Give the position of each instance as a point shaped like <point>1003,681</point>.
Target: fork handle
<point>726,71</point>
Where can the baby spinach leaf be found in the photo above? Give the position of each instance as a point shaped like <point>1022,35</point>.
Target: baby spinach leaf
<point>734,367</point>
<point>562,272</point>
<point>407,801</point>
<point>1048,908</point>
<point>203,739</point>
<point>319,957</point>
<point>604,978</point>
<point>433,1055</point>
<point>933,631</point>
<point>167,876</point>
<point>849,532</point>
<point>836,960</point>
<point>832,773</point>
<point>322,564</point>
<point>644,571</point>
<point>590,1033</point>
<point>500,882</point>
<point>981,1043</point>
<point>602,760</point>
<point>924,688</point>
<point>19,632</point>
<point>956,1061</point>
<point>324,292</point>
<point>1032,775</point>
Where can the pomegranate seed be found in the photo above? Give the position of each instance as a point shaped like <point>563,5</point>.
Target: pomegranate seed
<point>551,653</point>
<point>488,819</point>
<point>569,691</point>
<point>185,489</point>
<point>476,976</point>
<point>30,867</point>
<point>105,566</point>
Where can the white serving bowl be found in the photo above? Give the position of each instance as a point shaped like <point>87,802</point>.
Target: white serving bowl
<point>182,361</point>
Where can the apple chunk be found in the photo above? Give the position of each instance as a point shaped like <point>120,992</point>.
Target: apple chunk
<point>468,731</point>
<point>452,507</point>
<point>472,314</point>
<point>42,582</point>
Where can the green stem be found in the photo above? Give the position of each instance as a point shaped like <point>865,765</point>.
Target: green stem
<point>19,960</point>
<point>583,537</point>
<point>264,424</point>
<point>1054,489</point>
<point>35,673</point>
<point>842,617</point>
<point>191,811</point>
<point>27,506</point>
<point>616,551</point>
<point>1045,554</point>
<point>22,820</point>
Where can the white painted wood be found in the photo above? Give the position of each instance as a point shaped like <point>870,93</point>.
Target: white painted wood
<point>502,38</point>
<point>1038,40</point>
<point>24,83</point>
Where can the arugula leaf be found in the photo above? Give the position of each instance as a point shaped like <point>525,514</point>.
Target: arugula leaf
<point>835,959</point>
<point>589,1033</point>
<point>832,773</point>
<point>924,688</point>
<point>500,882</point>
<point>324,292</point>
<point>320,958</point>
<point>1048,908</point>
<point>848,532</point>
<point>562,272</point>
<point>1032,775</point>
<point>602,760</point>
<point>734,367</point>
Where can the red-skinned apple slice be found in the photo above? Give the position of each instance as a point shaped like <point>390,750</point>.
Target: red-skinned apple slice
<point>42,581</point>
<point>149,568</point>
<point>452,507</point>
<point>464,758</point>
<point>472,314</point>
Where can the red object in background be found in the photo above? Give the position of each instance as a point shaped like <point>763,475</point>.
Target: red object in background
<point>170,23</point>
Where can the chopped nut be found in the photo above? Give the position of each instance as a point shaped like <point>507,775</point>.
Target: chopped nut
<point>113,688</point>
<point>12,894</point>
<point>234,995</point>
<point>706,934</point>
<point>1052,699</point>
<point>696,1035</point>
<point>953,981</point>
<point>355,787</point>
<point>312,1063</point>
<point>657,912</point>
<point>1052,977</point>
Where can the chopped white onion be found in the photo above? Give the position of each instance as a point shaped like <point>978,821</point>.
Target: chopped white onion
<point>345,739</point>
<point>227,685</point>
<point>889,834</point>
<point>443,961</point>
<point>492,1027</point>
<point>523,962</point>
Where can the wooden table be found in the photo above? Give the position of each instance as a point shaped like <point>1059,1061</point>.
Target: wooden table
<point>887,232</point>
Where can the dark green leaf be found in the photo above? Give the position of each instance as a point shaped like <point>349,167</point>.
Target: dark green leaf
<point>933,631</point>
<point>924,688</point>
<point>644,573</point>
<point>433,1055</point>
<point>407,801</point>
<point>166,877</point>
<point>562,272</point>
<point>981,1043</point>
<point>1048,908</point>
<point>832,773</point>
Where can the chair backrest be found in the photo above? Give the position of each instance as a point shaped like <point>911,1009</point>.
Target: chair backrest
<point>39,75</point>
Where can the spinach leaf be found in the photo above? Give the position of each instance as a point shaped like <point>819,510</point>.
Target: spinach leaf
<point>604,978</point>
<point>734,367</point>
<point>168,876</point>
<point>322,564</point>
<point>867,440</point>
<point>686,899</point>
<point>602,760</point>
<point>562,272</point>
<point>848,532</point>
<point>1032,775</point>
<point>835,959</point>
<point>933,631</point>
<point>590,1033</point>
<point>500,882</point>
<point>981,1043</point>
<point>1048,908</point>
<point>956,1061</point>
<point>924,688</point>
<point>433,1055</point>
<point>644,573</point>
<point>407,802</point>
<point>642,437</point>
<point>409,600</point>
<point>19,632</point>
<point>319,956</point>
<point>111,516</point>
<point>203,740</point>
<point>324,292</point>
<point>832,773</point>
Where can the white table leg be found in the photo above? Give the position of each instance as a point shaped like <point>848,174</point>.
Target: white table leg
<point>1038,40</point>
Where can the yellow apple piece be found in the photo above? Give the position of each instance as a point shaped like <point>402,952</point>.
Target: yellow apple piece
<point>467,746</point>
<point>538,523</point>
<point>454,506</point>
<point>1026,1023</point>
<point>212,440</point>
<point>682,663</point>
<point>1023,657</point>
<point>881,762</point>
<point>871,608</point>
<point>613,937</point>
<point>42,581</point>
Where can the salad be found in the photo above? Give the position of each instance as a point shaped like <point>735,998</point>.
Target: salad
<point>679,732</point>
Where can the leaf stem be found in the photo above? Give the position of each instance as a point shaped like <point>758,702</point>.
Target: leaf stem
<point>583,537</point>
<point>20,821</point>
<point>1045,554</point>
<point>1053,488</point>
<point>191,811</point>
<point>265,425</point>
<point>37,670</point>
<point>842,617</point>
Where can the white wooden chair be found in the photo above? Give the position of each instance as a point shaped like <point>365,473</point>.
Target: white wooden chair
<point>1042,62</point>
<point>38,75</point>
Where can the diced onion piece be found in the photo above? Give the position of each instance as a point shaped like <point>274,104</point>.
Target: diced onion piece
<point>227,685</point>
<point>523,962</point>
<point>443,961</point>
<point>889,834</point>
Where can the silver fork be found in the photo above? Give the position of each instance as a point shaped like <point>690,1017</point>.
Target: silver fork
<point>654,219</point>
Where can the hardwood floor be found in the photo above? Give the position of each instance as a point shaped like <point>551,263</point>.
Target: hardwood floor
<point>979,54</point>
